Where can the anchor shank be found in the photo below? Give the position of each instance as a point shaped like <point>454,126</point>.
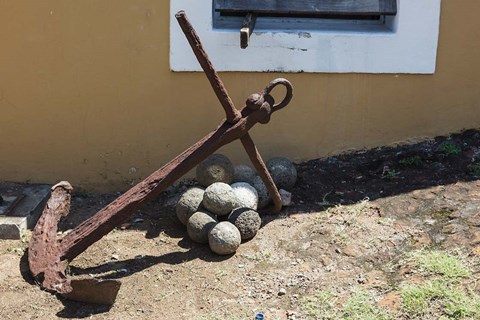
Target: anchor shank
<point>93,229</point>
<point>232,114</point>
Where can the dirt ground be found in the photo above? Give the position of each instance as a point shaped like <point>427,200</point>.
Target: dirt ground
<point>353,220</point>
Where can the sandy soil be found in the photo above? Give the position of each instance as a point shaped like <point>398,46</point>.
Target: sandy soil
<point>354,218</point>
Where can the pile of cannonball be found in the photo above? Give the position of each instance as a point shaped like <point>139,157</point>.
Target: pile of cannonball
<point>222,211</point>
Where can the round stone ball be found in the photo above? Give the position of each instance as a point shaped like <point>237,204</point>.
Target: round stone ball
<point>264,197</point>
<point>244,173</point>
<point>283,172</point>
<point>219,198</point>
<point>199,225</point>
<point>224,238</point>
<point>247,221</point>
<point>216,168</point>
<point>246,195</point>
<point>189,203</point>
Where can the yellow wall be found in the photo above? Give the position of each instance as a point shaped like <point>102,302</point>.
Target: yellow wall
<point>86,95</point>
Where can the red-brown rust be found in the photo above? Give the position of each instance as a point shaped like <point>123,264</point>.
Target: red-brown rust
<point>43,252</point>
<point>48,256</point>
<point>231,112</point>
<point>93,229</point>
<point>262,171</point>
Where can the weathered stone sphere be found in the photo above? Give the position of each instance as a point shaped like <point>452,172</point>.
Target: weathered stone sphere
<point>246,195</point>
<point>189,203</point>
<point>219,198</point>
<point>283,172</point>
<point>216,168</point>
<point>244,173</point>
<point>264,197</point>
<point>199,224</point>
<point>224,238</point>
<point>247,221</point>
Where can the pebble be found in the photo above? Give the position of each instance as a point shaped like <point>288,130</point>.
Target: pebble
<point>286,197</point>
<point>282,292</point>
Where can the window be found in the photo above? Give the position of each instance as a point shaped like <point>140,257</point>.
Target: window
<point>300,14</point>
<point>367,36</point>
<point>321,8</point>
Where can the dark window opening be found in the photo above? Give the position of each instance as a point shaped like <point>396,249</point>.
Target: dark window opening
<point>325,9</point>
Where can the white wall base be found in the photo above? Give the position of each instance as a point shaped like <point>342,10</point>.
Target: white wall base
<point>408,44</point>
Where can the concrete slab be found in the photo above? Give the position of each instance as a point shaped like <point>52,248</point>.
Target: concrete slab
<point>25,212</point>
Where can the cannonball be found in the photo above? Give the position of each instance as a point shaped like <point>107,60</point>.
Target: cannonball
<point>224,238</point>
<point>219,198</point>
<point>199,224</point>
<point>216,168</point>
<point>264,198</point>
<point>189,203</point>
<point>283,172</point>
<point>246,195</point>
<point>247,221</point>
<point>243,173</point>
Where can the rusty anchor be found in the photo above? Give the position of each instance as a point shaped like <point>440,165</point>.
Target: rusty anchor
<point>48,255</point>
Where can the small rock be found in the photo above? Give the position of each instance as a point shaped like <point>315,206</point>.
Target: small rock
<point>282,292</point>
<point>430,222</point>
<point>115,257</point>
<point>244,173</point>
<point>453,228</point>
<point>326,261</point>
<point>286,197</point>
<point>216,168</point>
<point>361,279</point>
<point>219,198</point>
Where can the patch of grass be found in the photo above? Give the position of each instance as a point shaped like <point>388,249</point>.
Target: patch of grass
<point>436,262</point>
<point>442,213</point>
<point>320,305</point>
<point>430,296</point>
<point>442,294</point>
<point>449,147</point>
<point>361,306</point>
<point>218,317</point>
<point>411,161</point>
<point>390,173</point>
<point>474,169</point>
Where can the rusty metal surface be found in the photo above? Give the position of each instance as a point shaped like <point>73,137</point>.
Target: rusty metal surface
<point>49,256</point>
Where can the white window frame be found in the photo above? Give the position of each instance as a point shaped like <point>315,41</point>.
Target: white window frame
<point>407,43</point>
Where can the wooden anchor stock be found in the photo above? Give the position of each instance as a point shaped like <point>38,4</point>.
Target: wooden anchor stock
<point>48,256</point>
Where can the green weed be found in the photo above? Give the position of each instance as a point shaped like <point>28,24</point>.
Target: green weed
<point>474,169</point>
<point>361,306</point>
<point>320,306</point>
<point>449,147</point>
<point>453,302</point>
<point>411,161</point>
<point>440,263</point>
